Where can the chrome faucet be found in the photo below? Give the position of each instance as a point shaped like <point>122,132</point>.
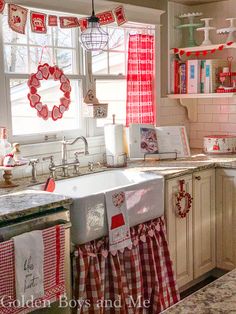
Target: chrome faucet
<point>64,147</point>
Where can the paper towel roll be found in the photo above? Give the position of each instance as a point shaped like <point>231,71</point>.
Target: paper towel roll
<point>114,139</point>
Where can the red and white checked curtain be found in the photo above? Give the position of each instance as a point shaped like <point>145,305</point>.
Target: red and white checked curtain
<point>140,76</point>
<point>104,283</point>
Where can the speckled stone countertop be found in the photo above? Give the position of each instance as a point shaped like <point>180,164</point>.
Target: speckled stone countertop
<point>25,203</point>
<point>216,298</point>
<point>20,201</point>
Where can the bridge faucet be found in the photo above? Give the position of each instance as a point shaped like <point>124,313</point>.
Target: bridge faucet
<point>64,147</point>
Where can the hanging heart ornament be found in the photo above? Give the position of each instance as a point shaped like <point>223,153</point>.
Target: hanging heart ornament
<point>45,72</point>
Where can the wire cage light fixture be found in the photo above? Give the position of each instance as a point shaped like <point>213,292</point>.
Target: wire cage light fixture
<point>94,38</point>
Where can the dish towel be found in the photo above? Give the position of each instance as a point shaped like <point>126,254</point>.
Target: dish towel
<point>118,221</point>
<point>29,261</point>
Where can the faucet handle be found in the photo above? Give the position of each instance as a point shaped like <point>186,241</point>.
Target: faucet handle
<point>33,161</point>
<point>51,158</point>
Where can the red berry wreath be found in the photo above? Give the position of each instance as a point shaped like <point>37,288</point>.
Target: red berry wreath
<point>44,72</point>
<point>183,195</point>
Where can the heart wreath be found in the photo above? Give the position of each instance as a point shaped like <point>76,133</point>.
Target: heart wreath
<point>45,72</point>
<point>183,195</point>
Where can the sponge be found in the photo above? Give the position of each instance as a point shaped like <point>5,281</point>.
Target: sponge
<point>50,185</point>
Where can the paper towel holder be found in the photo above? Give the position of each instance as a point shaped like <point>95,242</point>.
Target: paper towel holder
<point>119,161</point>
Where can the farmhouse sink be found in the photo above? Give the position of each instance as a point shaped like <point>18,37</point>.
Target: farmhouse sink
<point>144,196</point>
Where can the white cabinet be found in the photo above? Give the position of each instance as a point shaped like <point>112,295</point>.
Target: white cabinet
<point>192,239</point>
<point>204,222</point>
<point>226,218</point>
<point>179,232</point>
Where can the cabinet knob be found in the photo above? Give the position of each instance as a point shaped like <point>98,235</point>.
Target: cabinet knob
<point>198,178</point>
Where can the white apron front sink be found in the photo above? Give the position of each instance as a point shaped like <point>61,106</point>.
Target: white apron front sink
<point>144,197</point>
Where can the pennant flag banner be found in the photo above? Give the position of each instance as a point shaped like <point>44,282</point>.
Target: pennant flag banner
<point>38,22</point>
<point>17,18</point>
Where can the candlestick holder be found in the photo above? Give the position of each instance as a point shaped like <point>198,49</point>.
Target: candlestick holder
<point>206,29</point>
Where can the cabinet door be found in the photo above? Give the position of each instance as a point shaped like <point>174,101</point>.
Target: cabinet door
<point>204,222</point>
<point>226,218</point>
<point>179,232</point>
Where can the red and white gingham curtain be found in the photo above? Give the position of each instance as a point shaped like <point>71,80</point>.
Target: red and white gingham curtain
<point>140,76</point>
<point>143,273</point>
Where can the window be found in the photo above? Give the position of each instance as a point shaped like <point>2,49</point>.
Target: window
<point>22,54</point>
<point>109,71</point>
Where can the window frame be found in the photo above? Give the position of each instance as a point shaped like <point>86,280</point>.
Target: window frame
<point>88,127</point>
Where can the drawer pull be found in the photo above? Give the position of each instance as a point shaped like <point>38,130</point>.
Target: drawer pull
<point>198,178</point>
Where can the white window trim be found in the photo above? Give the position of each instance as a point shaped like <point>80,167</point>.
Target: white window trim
<point>150,16</point>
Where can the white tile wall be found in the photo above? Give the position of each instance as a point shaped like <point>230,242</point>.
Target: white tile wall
<point>215,116</point>
<point>96,151</point>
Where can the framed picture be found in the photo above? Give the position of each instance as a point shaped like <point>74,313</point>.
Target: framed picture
<point>145,138</point>
<point>141,139</point>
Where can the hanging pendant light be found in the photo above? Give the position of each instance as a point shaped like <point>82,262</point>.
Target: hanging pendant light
<point>94,38</point>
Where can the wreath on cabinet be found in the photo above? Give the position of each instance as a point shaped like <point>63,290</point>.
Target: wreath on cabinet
<point>44,72</point>
<point>182,195</point>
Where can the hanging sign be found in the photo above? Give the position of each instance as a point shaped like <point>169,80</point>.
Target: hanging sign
<point>38,22</point>
<point>120,15</point>
<point>2,5</point>
<point>105,17</point>
<point>17,17</point>
<point>52,20</point>
<point>68,22</point>
<point>44,72</point>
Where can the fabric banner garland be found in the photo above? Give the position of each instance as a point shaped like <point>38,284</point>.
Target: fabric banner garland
<point>17,18</point>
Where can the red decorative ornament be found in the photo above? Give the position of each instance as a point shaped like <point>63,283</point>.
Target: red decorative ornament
<point>182,52</point>
<point>183,195</point>
<point>38,22</point>
<point>52,20</point>
<point>106,17</point>
<point>17,17</point>
<point>68,22</point>
<point>221,47</point>
<point>188,53</point>
<point>120,15</point>
<point>2,5</point>
<point>44,72</point>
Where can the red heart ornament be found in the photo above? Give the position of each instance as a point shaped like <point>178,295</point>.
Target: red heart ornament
<point>43,113</point>
<point>51,70</point>
<point>33,90</point>
<point>34,99</point>
<point>56,114</point>
<point>67,95</point>
<point>57,73</point>
<point>65,102</point>
<point>63,78</point>
<point>33,81</point>
<point>62,109</point>
<point>45,70</point>
<point>39,75</point>
<point>65,87</point>
<point>39,106</point>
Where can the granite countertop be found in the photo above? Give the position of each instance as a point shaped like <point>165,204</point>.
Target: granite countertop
<point>216,298</point>
<point>22,201</point>
<point>25,203</point>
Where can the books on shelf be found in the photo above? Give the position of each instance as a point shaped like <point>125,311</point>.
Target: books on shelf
<point>196,76</point>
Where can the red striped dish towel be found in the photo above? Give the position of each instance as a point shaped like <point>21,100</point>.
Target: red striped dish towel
<point>54,273</point>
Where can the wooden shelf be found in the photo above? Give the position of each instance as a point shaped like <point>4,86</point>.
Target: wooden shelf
<point>191,96</point>
<point>203,48</point>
